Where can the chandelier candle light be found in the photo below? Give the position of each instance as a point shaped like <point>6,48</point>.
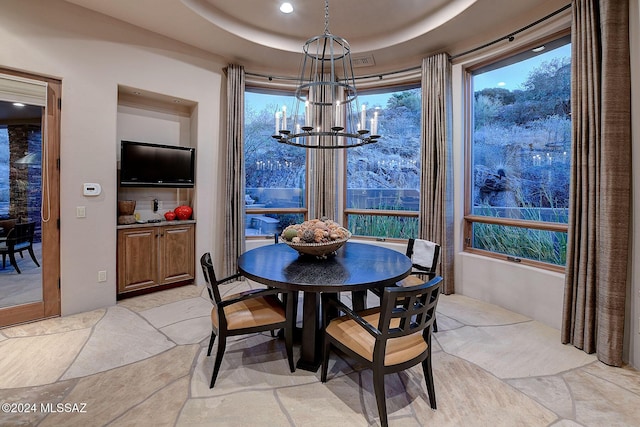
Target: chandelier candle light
<point>326,113</point>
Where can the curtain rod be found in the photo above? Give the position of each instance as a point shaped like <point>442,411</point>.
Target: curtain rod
<point>510,37</point>
<point>369,76</point>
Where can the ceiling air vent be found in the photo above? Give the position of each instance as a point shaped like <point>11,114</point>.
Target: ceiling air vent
<point>363,61</point>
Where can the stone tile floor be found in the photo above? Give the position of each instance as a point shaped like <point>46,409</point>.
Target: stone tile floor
<point>143,363</point>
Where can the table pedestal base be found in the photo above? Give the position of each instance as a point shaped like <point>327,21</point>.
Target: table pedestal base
<point>311,338</point>
<point>311,334</point>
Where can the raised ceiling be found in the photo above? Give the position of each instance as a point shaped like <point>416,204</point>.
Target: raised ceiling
<point>387,35</point>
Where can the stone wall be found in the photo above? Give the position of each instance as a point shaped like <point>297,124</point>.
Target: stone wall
<point>25,173</point>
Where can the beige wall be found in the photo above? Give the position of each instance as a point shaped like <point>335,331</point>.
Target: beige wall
<point>92,55</point>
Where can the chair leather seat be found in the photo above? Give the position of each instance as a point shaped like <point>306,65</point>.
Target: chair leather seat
<point>252,312</point>
<point>410,281</point>
<point>21,246</point>
<point>354,336</point>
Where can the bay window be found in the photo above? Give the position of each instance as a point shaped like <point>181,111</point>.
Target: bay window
<point>275,174</point>
<point>519,150</point>
<point>382,184</point>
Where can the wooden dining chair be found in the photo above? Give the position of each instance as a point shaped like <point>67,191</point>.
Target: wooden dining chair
<point>246,312</point>
<point>424,256</point>
<point>386,339</point>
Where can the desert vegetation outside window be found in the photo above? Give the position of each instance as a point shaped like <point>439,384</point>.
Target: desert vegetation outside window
<point>275,174</point>
<point>519,151</point>
<point>382,185</point>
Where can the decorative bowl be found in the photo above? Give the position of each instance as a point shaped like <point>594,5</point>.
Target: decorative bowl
<point>319,250</point>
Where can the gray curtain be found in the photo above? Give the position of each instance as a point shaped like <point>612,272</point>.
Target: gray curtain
<point>323,164</point>
<point>234,174</point>
<point>598,243</point>
<point>436,200</point>
<point>323,184</point>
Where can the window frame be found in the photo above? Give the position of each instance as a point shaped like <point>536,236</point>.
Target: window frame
<point>471,219</point>
<point>256,88</point>
<point>413,83</point>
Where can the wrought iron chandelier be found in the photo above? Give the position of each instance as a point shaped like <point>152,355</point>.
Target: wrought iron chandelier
<point>326,113</point>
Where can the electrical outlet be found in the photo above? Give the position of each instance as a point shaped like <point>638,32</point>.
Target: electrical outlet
<point>160,205</point>
<point>102,276</point>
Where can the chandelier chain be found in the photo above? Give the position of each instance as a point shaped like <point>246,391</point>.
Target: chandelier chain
<point>326,16</point>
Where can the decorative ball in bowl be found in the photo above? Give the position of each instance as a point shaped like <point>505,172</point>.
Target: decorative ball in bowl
<point>316,237</point>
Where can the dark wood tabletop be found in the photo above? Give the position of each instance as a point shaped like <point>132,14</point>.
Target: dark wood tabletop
<point>355,267</point>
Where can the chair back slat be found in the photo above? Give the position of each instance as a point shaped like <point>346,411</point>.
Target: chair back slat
<point>407,310</point>
<point>210,278</point>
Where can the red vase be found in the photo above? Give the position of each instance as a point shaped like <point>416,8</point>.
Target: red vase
<point>170,215</point>
<point>183,212</point>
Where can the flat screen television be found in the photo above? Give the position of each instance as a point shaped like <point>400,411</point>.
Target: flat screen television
<point>154,165</point>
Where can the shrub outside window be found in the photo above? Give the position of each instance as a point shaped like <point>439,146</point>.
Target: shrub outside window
<point>275,174</point>
<point>519,164</point>
<point>383,179</point>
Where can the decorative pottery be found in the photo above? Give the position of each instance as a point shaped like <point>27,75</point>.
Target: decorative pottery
<point>126,208</point>
<point>183,212</point>
<point>170,215</point>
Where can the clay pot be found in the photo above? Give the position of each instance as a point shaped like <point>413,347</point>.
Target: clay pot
<point>170,215</point>
<point>183,212</point>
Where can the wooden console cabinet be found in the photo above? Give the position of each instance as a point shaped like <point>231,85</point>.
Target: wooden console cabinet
<point>153,255</point>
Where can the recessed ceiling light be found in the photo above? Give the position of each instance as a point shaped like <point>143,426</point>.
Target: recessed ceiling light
<point>538,49</point>
<point>286,7</point>
<point>18,104</point>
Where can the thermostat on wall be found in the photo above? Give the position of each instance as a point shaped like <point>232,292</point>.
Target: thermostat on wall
<point>91,189</point>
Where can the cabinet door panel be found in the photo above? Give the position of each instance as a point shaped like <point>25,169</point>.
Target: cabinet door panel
<point>177,251</point>
<point>137,258</point>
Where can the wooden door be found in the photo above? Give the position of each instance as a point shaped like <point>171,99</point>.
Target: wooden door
<point>177,250</point>
<point>41,167</point>
<point>137,258</point>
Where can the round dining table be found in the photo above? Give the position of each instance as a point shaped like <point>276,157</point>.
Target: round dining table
<point>355,267</point>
